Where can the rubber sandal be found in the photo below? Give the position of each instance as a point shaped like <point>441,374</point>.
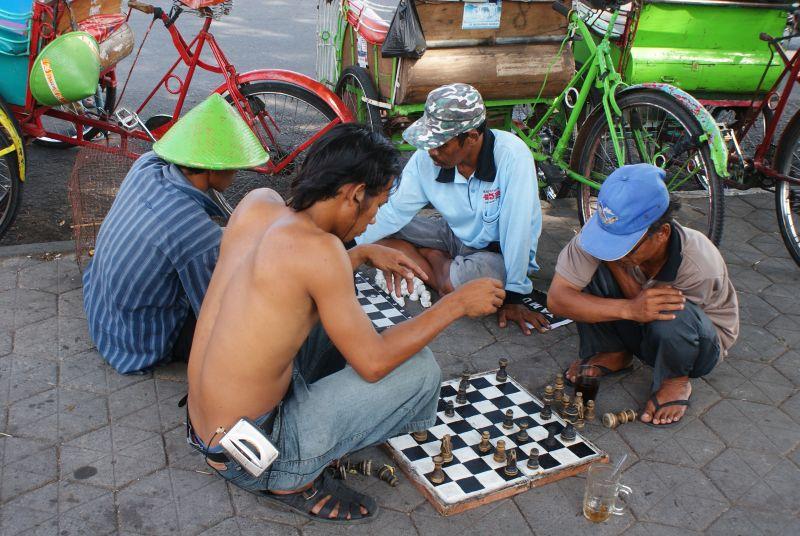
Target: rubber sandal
<point>303,502</point>
<point>606,372</point>
<point>658,406</point>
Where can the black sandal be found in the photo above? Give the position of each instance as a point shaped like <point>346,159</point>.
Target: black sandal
<point>348,500</point>
<point>606,372</point>
<point>658,406</point>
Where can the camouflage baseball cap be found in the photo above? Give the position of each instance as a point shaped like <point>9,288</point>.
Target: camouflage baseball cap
<point>449,111</point>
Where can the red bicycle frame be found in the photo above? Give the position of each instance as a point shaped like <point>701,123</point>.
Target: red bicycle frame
<point>189,54</point>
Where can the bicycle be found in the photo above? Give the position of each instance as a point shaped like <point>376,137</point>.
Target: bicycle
<point>574,144</point>
<point>288,111</point>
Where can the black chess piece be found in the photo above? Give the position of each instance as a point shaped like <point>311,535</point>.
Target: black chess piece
<point>449,409</point>
<point>568,433</point>
<point>550,442</point>
<point>508,420</point>
<point>533,459</point>
<point>511,463</point>
<point>546,412</point>
<point>461,395</point>
<point>502,374</point>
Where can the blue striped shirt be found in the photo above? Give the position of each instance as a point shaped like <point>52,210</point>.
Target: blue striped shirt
<point>153,259</point>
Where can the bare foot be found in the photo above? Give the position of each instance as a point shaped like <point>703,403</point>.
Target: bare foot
<point>671,389</point>
<point>613,361</point>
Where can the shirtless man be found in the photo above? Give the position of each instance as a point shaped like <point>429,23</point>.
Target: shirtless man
<point>282,340</point>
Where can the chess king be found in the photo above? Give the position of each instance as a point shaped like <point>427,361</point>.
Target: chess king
<point>282,340</point>
<point>640,284</point>
<point>483,183</point>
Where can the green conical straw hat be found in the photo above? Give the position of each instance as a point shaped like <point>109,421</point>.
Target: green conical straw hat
<point>211,135</point>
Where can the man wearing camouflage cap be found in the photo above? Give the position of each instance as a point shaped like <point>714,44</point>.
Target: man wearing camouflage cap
<point>483,183</point>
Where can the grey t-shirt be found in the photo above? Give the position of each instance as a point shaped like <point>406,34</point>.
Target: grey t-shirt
<point>699,272</point>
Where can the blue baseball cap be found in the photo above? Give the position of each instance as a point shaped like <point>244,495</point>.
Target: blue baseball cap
<point>630,200</point>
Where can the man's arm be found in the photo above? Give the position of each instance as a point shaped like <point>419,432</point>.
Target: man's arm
<point>568,300</point>
<point>403,204</point>
<point>374,355</point>
<point>520,223</point>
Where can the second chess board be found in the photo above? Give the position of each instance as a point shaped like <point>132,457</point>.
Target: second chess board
<point>474,478</point>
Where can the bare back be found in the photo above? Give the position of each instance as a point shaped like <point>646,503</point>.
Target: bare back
<point>255,316</point>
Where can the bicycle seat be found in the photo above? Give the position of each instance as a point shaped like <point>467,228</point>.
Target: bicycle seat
<point>362,16</point>
<point>101,26</point>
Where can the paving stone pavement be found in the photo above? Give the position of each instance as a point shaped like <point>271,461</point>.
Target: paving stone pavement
<point>85,450</point>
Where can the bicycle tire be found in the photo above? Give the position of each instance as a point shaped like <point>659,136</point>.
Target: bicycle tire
<point>245,181</point>
<point>91,133</point>
<point>9,166</point>
<point>596,127</point>
<point>356,77</point>
<point>787,199</point>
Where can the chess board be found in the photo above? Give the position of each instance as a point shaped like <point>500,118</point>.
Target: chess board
<point>381,308</point>
<point>473,478</point>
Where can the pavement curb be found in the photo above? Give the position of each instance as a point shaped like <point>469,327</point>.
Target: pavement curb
<point>38,248</point>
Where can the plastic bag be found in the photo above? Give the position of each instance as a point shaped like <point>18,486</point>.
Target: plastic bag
<point>405,38</point>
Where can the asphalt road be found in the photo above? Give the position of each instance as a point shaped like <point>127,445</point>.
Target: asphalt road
<point>257,34</point>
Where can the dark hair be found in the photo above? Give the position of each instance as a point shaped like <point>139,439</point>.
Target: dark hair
<point>348,153</point>
<point>463,136</point>
<point>669,214</point>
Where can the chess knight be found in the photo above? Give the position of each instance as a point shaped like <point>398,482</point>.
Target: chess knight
<point>640,284</point>
<point>281,321</point>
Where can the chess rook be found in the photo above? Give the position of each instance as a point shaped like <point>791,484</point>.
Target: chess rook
<point>612,420</point>
<point>568,433</point>
<point>502,374</point>
<point>547,412</point>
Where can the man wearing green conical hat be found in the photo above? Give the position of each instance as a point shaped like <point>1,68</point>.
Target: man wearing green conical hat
<point>158,245</point>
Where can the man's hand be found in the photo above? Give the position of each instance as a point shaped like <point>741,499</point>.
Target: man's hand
<point>395,266</point>
<point>479,297</point>
<point>516,312</point>
<point>654,304</point>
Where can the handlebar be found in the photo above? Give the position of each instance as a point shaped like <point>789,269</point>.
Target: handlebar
<point>560,8</point>
<point>141,6</point>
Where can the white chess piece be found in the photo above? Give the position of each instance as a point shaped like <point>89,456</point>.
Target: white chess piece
<point>425,299</point>
<point>399,299</point>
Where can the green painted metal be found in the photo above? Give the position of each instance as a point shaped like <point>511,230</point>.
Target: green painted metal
<point>66,70</point>
<point>701,48</point>
<point>212,135</point>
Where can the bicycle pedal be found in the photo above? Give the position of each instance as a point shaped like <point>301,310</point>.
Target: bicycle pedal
<point>127,118</point>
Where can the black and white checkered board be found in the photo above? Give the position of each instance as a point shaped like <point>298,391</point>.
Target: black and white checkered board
<point>472,475</point>
<point>379,306</point>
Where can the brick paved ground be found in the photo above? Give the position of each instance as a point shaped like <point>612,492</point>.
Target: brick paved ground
<point>87,451</point>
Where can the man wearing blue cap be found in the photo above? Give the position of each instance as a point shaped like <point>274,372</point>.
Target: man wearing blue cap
<point>638,283</point>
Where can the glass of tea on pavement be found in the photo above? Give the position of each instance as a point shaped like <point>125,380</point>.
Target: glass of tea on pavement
<point>602,491</point>
<point>588,381</point>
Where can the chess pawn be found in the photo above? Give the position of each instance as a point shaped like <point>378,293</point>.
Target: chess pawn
<point>437,476</point>
<point>589,413</point>
<point>559,390</point>
<point>500,451</point>
<point>502,374</point>
<point>565,403</point>
<point>508,421</point>
<point>447,449</point>
<point>568,433</point>
<point>511,463</point>
<point>420,436</point>
<point>548,394</point>
<point>533,459</point>
<point>449,409</point>
<point>612,420</point>
<point>547,412</point>
<point>485,446</point>
<point>523,436</point>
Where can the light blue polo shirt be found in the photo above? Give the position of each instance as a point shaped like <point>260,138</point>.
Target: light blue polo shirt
<point>498,203</point>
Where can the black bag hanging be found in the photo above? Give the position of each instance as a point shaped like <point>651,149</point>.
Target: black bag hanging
<point>405,38</point>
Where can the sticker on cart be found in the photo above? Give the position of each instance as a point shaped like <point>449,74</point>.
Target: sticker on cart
<point>481,16</point>
<point>361,47</point>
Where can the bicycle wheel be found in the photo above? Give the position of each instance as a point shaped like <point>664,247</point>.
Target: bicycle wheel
<point>10,179</point>
<point>354,84</point>
<point>787,195</point>
<point>106,95</point>
<point>293,115</point>
<point>660,123</point>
